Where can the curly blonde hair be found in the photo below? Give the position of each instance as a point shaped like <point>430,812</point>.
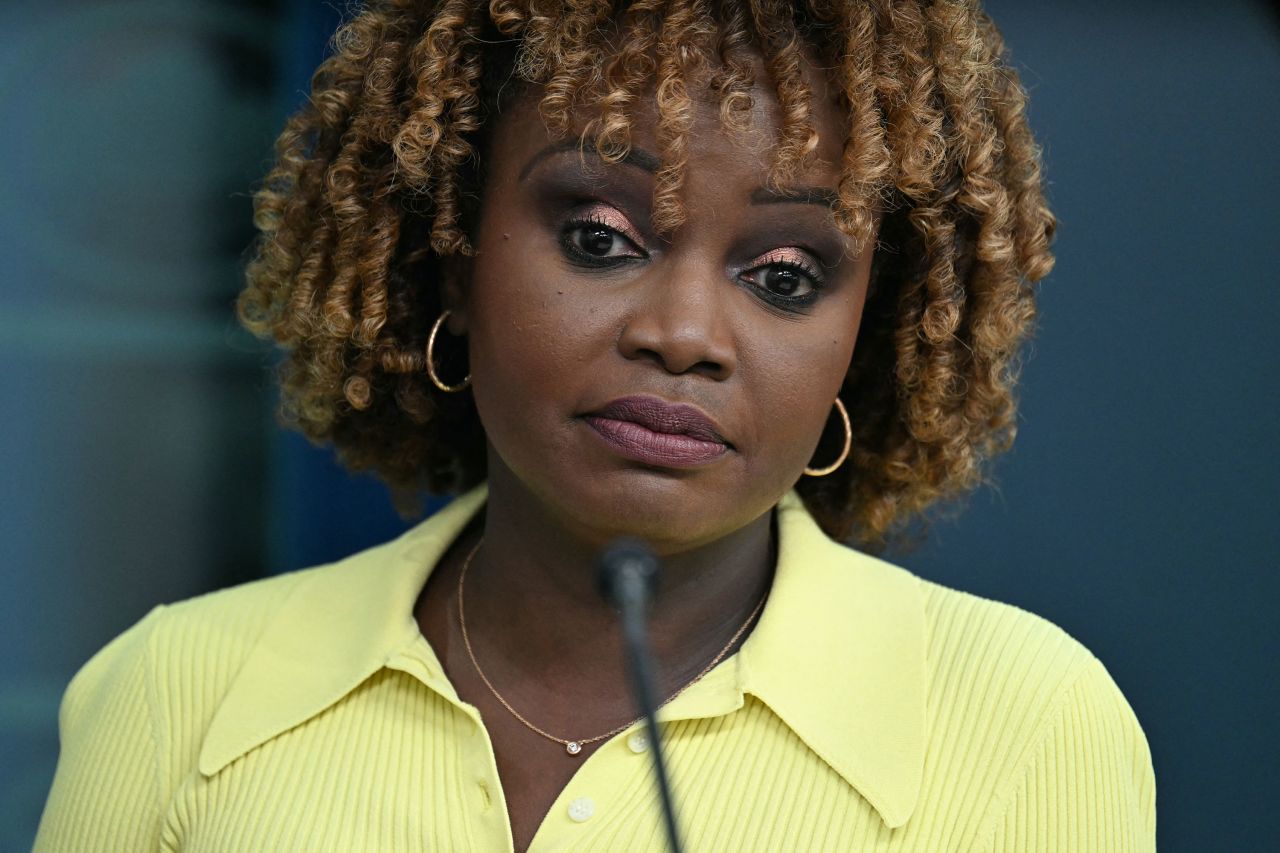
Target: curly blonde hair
<point>377,177</point>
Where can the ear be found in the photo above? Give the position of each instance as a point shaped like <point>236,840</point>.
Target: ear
<point>455,290</point>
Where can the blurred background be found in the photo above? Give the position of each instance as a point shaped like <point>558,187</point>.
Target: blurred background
<point>140,462</point>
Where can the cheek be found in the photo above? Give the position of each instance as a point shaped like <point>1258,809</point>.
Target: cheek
<point>804,378</point>
<point>519,344</point>
<point>531,339</point>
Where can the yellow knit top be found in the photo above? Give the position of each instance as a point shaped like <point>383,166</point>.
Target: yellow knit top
<point>868,710</point>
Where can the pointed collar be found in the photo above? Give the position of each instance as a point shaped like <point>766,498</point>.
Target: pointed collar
<point>341,623</point>
<point>838,653</point>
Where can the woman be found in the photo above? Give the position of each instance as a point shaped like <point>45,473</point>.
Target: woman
<point>745,280</point>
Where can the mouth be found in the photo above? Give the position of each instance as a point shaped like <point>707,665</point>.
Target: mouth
<point>653,431</point>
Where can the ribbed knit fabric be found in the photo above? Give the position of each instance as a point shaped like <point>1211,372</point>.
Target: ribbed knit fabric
<point>868,710</point>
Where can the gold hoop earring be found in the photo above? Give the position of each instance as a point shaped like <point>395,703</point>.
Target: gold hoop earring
<point>431,366</point>
<point>848,445</point>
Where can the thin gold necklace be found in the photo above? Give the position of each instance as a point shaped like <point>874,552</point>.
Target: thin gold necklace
<point>573,747</point>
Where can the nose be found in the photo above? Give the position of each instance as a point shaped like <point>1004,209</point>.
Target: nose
<point>680,321</point>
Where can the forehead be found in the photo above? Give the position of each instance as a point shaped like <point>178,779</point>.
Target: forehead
<point>699,122</point>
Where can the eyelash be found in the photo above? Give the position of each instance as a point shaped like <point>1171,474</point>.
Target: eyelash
<point>794,304</point>
<point>582,258</point>
<point>816,281</point>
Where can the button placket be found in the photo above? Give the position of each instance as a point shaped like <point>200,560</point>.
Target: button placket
<point>600,785</point>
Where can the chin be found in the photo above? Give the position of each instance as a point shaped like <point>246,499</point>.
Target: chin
<point>671,510</point>
<point>601,497</point>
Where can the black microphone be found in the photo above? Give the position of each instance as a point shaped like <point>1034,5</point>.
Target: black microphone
<point>627,575</point>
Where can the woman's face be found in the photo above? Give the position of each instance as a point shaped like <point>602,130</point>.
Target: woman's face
<point>666,386</point>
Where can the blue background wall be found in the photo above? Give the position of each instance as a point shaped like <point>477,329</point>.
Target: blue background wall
<point>1138,510</point>
<point>138,462</point>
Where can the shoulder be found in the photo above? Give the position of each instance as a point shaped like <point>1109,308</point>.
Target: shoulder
<point>1016,697</point>
<point>179,669</point>
<point>1022,656</point>
<point>132,717</point>
<point>189,649</point>
<point>204,636</point>
<point>226,622</point>
<point>171,670</point>
<point>1017,666</point>
<point>204,639</point>
<point>975,701</point>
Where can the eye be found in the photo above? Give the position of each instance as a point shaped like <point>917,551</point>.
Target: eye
<point>787,276</point>
<point>599,241</point>
<point>598,238</point>
<point>785,281</point>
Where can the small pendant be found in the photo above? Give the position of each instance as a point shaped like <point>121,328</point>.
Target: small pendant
<point>573,747</point>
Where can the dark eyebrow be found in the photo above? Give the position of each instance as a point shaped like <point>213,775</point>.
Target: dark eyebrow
<point>640,159</point>
<point>821,196</point>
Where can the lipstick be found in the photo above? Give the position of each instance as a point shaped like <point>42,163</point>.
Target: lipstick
<point>653,431</point>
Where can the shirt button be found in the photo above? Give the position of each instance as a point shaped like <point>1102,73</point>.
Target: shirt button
<point>637,743</point>
<point>582,809</point>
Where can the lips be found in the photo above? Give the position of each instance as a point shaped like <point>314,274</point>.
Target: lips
<point>650,430</point>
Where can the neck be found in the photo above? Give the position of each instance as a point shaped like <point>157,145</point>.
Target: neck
<point>533,611</point>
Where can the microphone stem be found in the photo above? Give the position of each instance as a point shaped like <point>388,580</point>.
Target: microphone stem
<point>633,626</point>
